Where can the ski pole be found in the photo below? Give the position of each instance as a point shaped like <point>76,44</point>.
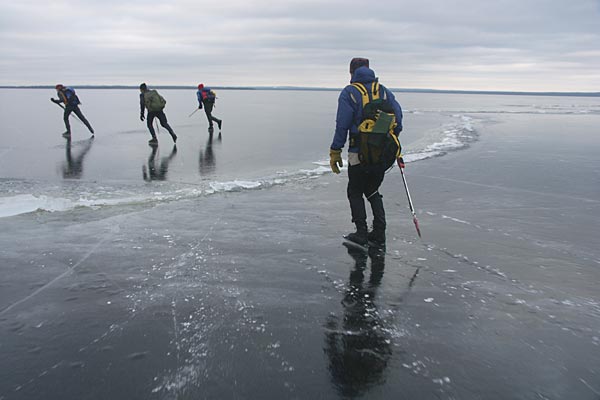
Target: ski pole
<point>400,162</point>
<point>193,112</point>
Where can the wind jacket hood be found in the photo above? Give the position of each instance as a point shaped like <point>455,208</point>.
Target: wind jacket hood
<point>363,75</point>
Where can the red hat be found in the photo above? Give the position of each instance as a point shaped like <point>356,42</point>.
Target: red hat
<point>201,86</point>
<point>59,86</point>
<point>358,62</point>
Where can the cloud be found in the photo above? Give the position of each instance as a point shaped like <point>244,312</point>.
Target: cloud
<point>459,44</point>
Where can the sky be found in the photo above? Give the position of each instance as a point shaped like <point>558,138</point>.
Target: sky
<point>506,45</point>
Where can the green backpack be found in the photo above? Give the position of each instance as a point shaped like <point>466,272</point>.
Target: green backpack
<point>153,101</point>
<point>379,145</point>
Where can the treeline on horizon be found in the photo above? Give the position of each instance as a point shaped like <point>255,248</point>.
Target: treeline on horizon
<point>406,90</point>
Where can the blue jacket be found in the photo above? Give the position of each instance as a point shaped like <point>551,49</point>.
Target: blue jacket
<point>68,96</point>
<point>349,112</point>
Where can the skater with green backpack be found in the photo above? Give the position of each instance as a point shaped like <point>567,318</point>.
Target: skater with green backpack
<point>371,118</point>
<point>155,103</point>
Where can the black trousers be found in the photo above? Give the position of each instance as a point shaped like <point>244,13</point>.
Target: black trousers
<point>364,182</point>
<point>208,107</point>
<point>75,109</point>
<point>162,118</point>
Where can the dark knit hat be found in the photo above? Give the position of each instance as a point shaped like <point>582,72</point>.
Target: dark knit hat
<point>143,86</point>
<point>358,62</point>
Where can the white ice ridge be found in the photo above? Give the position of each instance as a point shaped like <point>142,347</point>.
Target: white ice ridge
<point>25,203</point>
<point>236,185</point>
<point>455,136</point>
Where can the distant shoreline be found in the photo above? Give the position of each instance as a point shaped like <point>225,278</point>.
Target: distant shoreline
<point>299,88</point>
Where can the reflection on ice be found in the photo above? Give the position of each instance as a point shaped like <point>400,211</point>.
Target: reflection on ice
<point>358,346</point>
<point>152,173</point>
<point>206,157</point>
<point>73,167</point>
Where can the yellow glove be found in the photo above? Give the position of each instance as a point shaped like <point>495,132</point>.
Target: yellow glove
<point>335,160</point>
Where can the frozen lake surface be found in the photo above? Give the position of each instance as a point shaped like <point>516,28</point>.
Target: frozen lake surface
<point>215,269</point>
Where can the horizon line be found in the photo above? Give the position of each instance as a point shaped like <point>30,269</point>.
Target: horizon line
<point>308,88</point>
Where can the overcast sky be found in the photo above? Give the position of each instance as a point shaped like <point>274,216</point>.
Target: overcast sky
<point>521,45</point>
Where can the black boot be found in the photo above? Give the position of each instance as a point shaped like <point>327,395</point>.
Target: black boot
<point>377,235</point>
<point>376,238</point>
<point>360,236</point>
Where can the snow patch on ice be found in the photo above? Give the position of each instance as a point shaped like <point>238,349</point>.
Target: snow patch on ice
<point>456,220</point>
<point>441,381</point>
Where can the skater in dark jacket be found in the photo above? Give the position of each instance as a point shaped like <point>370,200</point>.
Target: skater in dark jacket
<point>68,97</point>
<point>364,179</point>
<point>206,99</point>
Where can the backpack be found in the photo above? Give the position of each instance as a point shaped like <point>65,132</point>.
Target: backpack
<point>209,95</point>
<point>379,145</point>
<point>71,97</point>
<point>154,102</point>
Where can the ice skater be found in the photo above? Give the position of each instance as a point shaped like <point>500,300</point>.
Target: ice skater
<point>71,102</point>
<point>155,104</point>
<point>206,99</point>
<point>365,174</point>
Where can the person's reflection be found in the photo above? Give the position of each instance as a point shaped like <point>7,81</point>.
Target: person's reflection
<point>152,173</point>
<point>73,167</point>
<point>358,347</point>
<point>206,158</point>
